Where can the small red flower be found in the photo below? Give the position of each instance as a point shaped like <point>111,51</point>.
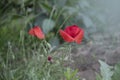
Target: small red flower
<point>36,31</point>
<point>49,58</point>
<point>72,33</point>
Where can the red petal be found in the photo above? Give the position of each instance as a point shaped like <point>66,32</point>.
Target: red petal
<point>72,30</point>
<point>66,36</point>
<point>31,32</point>
<point>38,32</point>
<point>79,37</point>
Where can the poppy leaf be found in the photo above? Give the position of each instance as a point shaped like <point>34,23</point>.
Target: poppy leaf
<point>48,25</point>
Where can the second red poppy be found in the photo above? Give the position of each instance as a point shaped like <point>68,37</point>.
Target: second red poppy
<point>36,31</point>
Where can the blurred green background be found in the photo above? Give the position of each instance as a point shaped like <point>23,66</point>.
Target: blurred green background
<point>17,17</point>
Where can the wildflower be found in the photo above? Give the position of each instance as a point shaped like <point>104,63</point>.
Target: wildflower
<point>49,58</point>
<point>36,31</point>
<point>72,34</point>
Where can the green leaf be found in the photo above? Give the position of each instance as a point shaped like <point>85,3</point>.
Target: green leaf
<point>68,74</point>
<point>116,75</point>
<point>48,25</point>
<point>98,77</point>
<point>71,74</point>
<point>106,71</point>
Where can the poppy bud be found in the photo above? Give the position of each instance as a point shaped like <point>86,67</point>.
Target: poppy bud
<point>36,31</point>
<point>49,58</point>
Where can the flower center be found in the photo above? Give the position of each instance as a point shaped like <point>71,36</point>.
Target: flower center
<point>72,31</point>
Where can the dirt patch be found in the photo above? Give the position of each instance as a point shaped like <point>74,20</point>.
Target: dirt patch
<point>85,59</point>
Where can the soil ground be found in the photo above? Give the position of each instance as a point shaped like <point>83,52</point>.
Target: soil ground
<point>85,59</point>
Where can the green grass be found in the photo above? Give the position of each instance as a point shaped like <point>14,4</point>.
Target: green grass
<point>27,60</point>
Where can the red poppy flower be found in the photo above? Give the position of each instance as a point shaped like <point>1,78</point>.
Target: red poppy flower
<point>72,34</point>
<point>36,31</point>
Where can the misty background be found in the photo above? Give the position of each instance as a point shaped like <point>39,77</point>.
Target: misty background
<point>110,17</point>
